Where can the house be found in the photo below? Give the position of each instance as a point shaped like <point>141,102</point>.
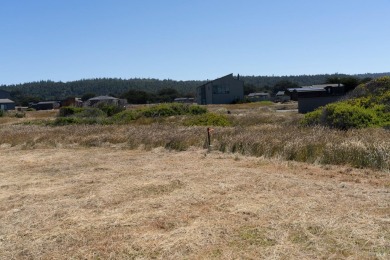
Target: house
<point>281,96</point>
<point>108,100</point>
<point>6,104</point>
<point>225,90</point>
<point>46,105</point>
<point>311,97</point>
<point>261,96</point>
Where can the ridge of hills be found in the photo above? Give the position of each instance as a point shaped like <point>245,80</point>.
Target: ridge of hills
<point>51,90</point>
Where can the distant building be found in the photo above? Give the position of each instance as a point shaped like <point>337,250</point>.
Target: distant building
<point>281,96</point>
<point>311,97</point>
<point>46,105</point>
<point>261,96</point>
<point>225,90</point>
<point>108,100</point>
<point>6,104</point>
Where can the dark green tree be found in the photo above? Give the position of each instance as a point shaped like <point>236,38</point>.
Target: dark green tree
<point>137,96</point>
<point>87,96</point>
<point>350,83</point>
<point>167,95</point>
<point>284,85</point>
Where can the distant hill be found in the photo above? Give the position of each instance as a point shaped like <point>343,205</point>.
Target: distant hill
<point>50,90</point>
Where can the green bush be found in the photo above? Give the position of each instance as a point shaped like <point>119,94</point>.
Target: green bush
<point>66,121</point>
<point>196,110</point>
<point>126,116</point>
<point>110,110</point>
<point>313,118</point>
<point>344,116</point>
<point>69,111</point>
<point>90,112</point>
<point>1,112</point>
<point>208,119</point>
<point>172,109</point>
<point>120,116</point>
<point>20,114</point>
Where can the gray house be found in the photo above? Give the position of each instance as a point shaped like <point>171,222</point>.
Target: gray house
<point>225,90</point>
<point>312,97</point>
<point>108,100</point>
<point>5,102</point>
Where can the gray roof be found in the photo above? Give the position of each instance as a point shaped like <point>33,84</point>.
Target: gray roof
<point>328,85</point>
<point>258,94</point>
<point>280,93</point>
<point>306,89</point>
<point>6,101</point>
<point>102,98</point>
<point>48,102</point>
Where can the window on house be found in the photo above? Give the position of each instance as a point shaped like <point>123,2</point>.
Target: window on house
<point>221,89</point>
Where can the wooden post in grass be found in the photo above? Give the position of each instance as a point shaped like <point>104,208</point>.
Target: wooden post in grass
<point>209,137</point>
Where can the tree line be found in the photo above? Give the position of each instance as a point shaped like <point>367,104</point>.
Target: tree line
<point>139,90</point>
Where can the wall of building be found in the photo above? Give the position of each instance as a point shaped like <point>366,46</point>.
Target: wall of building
<point>7,106</point>
<point>224,90</point>
<point>309,104</point>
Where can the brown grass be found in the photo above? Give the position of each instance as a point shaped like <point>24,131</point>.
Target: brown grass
<point>114,203</point>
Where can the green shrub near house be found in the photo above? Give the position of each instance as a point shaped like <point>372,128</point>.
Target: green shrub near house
<point>1,113</point>
<point>368,106</point>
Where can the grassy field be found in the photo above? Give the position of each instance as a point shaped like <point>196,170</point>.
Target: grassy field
<point>149,190</point>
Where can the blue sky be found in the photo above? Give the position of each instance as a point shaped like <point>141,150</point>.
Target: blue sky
<point>65,40</point>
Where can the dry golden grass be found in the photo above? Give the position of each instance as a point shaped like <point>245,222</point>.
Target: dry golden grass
<point>29,116</point>
<point>114,203</point>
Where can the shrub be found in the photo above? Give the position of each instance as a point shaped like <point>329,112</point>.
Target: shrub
<point>208,119</point>
<point>60,121</point>
<point>313,118</point>
<point>344,116</point>
<point>69,111</point>
<point>20,114</point>
<point>196,110</point>
<point>1,113</point>
<point>110,110</point>
<point>90,112</point>
<point>126,116</point>
<point>172,109</point>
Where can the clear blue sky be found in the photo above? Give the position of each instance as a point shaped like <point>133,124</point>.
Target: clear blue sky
<point>64,40</point>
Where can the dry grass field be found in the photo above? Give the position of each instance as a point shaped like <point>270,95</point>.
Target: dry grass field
<point>267,190</point>
<point>113,203</point>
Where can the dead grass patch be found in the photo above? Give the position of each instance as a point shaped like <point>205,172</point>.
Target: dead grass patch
<point>114,203</point>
